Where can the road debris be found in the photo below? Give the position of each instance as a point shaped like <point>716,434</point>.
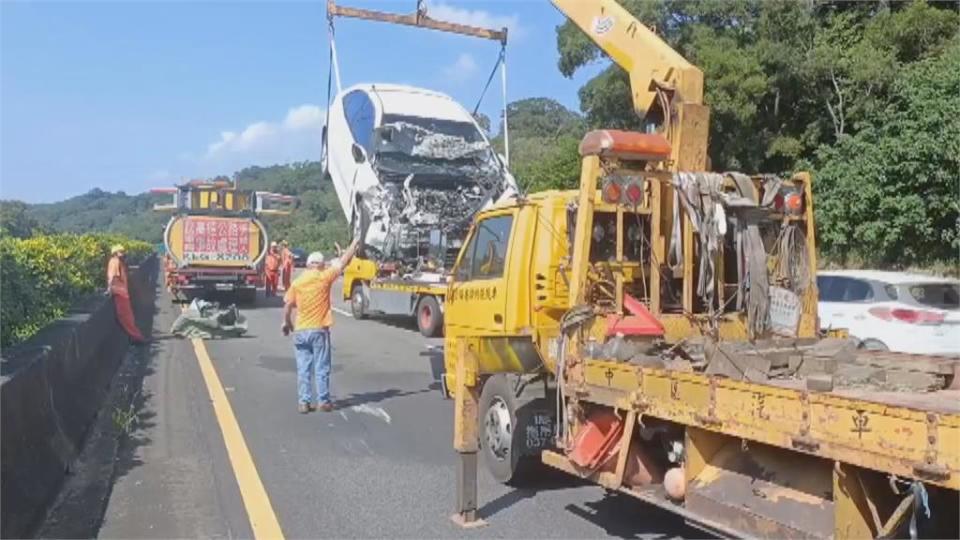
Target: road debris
<point>207,320</point>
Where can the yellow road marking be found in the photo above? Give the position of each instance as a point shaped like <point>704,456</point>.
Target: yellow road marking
<point>263,520</point>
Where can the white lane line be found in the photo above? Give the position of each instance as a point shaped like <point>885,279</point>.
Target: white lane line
<point>342,312</point>
<point>377,412</point>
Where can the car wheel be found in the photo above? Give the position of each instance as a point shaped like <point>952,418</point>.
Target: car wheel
<point>501,431</point>
<point>429,317</point>
<point>358,304</point>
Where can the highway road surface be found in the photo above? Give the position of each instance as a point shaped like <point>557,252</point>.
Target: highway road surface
<point>218,449</point>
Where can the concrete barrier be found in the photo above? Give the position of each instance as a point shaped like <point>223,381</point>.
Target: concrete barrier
<point>51,388</point>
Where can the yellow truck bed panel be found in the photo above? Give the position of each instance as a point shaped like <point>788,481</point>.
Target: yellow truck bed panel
<point>410,286</point>
<point>909,434</point>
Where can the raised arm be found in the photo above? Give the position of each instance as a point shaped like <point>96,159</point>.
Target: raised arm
<point>347,255</point>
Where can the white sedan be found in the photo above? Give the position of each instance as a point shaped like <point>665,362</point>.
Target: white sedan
<point>410,167</point>
<point>895,311</point>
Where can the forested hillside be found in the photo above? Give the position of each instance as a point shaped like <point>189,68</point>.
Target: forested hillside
<point>316,224</point>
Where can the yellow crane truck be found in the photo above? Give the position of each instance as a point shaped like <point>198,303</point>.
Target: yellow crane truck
<point>655,332</point>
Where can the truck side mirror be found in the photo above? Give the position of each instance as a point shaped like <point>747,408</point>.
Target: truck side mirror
<point>359,154</point>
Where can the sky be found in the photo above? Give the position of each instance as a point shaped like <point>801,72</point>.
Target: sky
<point>124,96</point>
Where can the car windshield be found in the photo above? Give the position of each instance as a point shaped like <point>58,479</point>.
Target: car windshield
<point>937,295</point>
<point>430,149</point>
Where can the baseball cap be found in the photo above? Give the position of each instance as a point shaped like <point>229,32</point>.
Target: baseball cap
<point>315,258</point>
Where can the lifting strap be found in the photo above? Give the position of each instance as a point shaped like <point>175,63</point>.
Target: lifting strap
<point>502,64</point>
<point>333,70</point>
<point>324,149</point>
<point>334,64</point>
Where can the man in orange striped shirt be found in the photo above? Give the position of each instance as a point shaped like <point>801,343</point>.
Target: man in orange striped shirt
<point>309,294</point>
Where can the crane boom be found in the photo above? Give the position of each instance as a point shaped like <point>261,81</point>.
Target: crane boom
<point>654,67</point>
<point>637,49</point>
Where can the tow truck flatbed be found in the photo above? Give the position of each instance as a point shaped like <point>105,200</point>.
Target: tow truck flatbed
<point>419,295</point>
<point>907,433</point>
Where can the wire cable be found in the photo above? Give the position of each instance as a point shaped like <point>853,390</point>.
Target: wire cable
<point>493,72</point>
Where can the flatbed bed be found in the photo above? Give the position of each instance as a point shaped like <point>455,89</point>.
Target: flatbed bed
<point>420,295</point>
<point>909,434</point>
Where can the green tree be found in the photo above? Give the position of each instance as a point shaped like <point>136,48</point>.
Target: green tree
<point>860,92</point>
<point>888,194</point>
<point>16,221</point>
<point>781,77</point>
<point>543,144</point>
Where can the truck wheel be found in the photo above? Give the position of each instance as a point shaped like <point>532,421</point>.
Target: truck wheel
<point>358,304</point>
<point>501,442</point>
<point>429,317</point>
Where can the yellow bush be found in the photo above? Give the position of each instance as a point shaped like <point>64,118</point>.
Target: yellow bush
<point>41,276</point>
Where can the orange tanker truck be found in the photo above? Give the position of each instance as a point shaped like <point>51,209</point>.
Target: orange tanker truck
<point>215,241</point>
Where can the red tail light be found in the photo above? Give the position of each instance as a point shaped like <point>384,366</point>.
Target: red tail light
<point>789,201</point>
<point>793,203</point>
<point>252,280</point>
<point>634,193</point>
<point>612,192</point>
<point>909,316</point>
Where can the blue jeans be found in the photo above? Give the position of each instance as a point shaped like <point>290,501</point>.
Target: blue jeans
<point>313,358</point>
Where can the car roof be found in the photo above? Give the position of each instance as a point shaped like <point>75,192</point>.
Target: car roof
<point>887,276</point>
<point>412,101</point>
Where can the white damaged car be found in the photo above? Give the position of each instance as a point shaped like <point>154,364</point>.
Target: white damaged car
<point>411,167</point>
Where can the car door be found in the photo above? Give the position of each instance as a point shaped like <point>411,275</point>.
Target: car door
<point>477,299</point>
<point>852,297</point>
<point>351,146</point>
<point>340,164</point>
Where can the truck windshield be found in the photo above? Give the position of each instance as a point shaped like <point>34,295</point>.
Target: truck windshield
<point>432,149</point>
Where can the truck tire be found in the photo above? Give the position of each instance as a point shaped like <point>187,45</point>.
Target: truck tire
<point>358,304</point>
<point>429,317</point>
<point>501,427</point>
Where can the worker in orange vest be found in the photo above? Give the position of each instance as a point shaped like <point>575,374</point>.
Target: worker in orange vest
<point>271,269</point>
<point>286,265</point>
<point>117,287</point>
<point>170,269</point>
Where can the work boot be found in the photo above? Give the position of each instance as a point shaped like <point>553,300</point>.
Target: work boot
<point>326,406</point>
<point>303,408</point>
